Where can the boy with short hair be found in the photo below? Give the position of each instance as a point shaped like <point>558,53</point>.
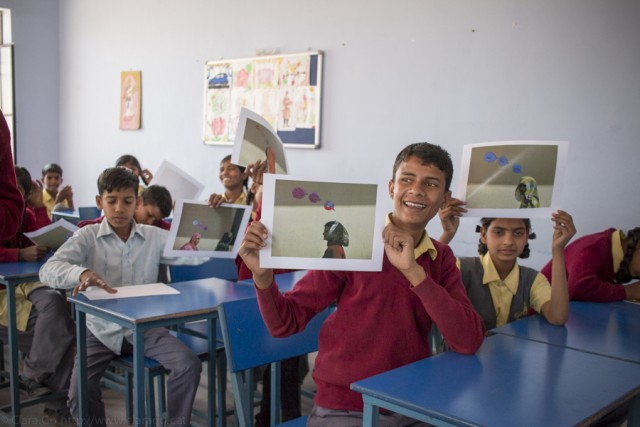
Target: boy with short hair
<point>55,198</point>
<point>118,252</point>
<point>383,319</point>
<point>45,328</point>
<point>154,204</point>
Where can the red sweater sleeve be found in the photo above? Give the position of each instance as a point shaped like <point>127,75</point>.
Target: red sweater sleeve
<point>11,201</point>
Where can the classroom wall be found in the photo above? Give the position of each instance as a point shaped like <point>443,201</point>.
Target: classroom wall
<point>452,73</point>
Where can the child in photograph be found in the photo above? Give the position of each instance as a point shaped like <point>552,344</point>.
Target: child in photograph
<point>192,244</point>
<point>601,265</point>
<point>337,239</point>
<point>383,319</point>
<point>54,197</point>
<point>114,253</point>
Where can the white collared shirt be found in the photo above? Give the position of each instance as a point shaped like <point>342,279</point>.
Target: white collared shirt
<point>98,248</point>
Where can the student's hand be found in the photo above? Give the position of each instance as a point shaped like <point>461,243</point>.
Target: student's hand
<point>146,176</point>
<point>32,253</point>
<point>450,218</point>
<point>89,278</point>
<point>35,195</point>
<point>256,172</point>
<point>253,241</point>
<point>215,200</point>
<point>399,245</point>
<point>65,194</point>
<point>563,230</point>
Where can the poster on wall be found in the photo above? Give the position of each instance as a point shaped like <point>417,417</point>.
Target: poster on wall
<point>512,179</point>
<point>284,89</point>
<point>130,99</point>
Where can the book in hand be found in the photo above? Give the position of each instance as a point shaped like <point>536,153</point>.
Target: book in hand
<point>53,235</point>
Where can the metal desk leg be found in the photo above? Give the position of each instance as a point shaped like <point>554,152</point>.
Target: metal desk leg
<point>81,339</point>
<point>13,355</point>
<point>138,377</point>
<point>211,374</point>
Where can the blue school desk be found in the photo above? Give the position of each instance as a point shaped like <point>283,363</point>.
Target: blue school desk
<point>608,329</point>
<point>198,300</point>
<point>12,274</point>
<point>508,382</point>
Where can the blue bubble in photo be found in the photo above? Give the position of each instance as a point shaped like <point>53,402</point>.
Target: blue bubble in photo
<point>516,168</point>
<point>489,157</point>
<point>503,161</point>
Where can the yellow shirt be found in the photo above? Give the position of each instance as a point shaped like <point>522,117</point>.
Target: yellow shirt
<point>50,201</point>
<point>23,305</point>
<point>502,291</point>
<point>616,249</point>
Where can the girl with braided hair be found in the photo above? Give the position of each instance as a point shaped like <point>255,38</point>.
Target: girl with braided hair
<point>601,265</point>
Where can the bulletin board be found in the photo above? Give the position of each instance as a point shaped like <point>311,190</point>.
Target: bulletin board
<point>284,89</point>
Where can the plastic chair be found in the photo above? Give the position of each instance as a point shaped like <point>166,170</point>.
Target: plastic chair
<point>222,268</point>
<point>248,345</point>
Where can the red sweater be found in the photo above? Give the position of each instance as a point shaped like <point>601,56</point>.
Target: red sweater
<point>34,219</point>
<point>11,201</point>
<point>589,264</point>
<point>380,323</point>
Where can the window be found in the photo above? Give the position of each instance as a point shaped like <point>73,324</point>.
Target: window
<point>6,74</point>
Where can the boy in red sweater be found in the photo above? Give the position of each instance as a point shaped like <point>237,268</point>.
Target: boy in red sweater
<point>383,319</point>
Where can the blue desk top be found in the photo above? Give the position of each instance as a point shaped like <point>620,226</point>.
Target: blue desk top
<point>609,329</point>
<point>285,281</point>
<point>544,385</point>
<point>19,270</point>
<point>196,296</point>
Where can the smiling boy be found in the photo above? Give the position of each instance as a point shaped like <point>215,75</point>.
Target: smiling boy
<point>119,252</point>
<point>383,318</point>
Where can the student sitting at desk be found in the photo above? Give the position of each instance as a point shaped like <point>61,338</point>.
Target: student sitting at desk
<point>53,196</point>
<point>503,291</point>
<point>118,252</point>
<point>45,328</point>
<point>383,319</point>
<point>154,204</point>
<point>600,264</point>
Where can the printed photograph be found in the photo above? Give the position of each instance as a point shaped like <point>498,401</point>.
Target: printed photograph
<point>255,141</point>
<point>180,184</point>
<point>505,178</point>
<point>200,231</point>
<point>322,225</point>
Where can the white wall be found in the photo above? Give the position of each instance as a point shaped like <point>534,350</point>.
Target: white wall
<point>452,73</point>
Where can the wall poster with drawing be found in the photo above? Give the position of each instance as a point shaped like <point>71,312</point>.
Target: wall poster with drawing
<point>284,89</point>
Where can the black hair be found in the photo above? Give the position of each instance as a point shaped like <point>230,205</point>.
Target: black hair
<point>128,159</point>
<point>51,168</point>
<point>24,179</point>
<point>337,234</point>
<point>428,154</point>
<point>486,222</point>
<point>157,195</point>
<point>117,179</point>
<point>245,183</point>
<point>623,275</point>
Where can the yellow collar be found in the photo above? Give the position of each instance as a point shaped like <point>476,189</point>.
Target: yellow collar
<point>617,250</point>
<point>491,274</point>
<point>425,245</point>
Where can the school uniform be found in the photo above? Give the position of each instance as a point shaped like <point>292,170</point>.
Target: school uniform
<point>50,202</point>
<point>119,263</point>
<point>502,301</point>
<point>381,321</point>
<point>11,201</point>
<point>591,263</point>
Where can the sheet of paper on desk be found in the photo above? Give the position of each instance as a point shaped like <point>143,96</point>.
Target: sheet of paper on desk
<point>52,235</point>
<point>95,293</point>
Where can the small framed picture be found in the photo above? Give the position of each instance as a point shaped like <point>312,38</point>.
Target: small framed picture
<point>198,230</point>
<point>512,179</point>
